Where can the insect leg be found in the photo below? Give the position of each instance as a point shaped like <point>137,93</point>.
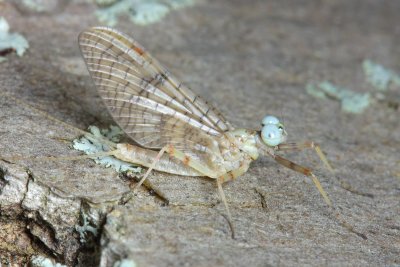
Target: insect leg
<point>203,169</point>
<point>225,178</point>
<point>153,164</point>
<point>212,174</point>
<point>185,159</point>
<point>291,165</point>
<point>223,198</point>
<point>305,145</point>
<point>234,173</point>
<point>298,168</point>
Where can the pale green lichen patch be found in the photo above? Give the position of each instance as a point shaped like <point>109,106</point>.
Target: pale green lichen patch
<point>315,91</point>
<point>378,76</point>
<point>40,261</point>
<point>106,2</point>
<point>147,13</point>
<point>90,145</point>
<point>14,41</point>
<point>84,229</point>
<point>352,102</point>
<point>176,4</point>
<point>125,263</point>
<point>39,6</point>
<point>141,12</point>
<point>34,5</point>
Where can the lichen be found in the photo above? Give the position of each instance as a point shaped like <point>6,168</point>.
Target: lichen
<point>106,2</point>
<point>34,5</point>
<point>147,13</point>
<point>141,12</point>
<point>14,41</point>
<point>85,228</point>
<point>378,76</point>
<point>28,7</point>
<point>40,261</point>
<point>351,102</point>
<point>125,263</point>
<point>90,145</point>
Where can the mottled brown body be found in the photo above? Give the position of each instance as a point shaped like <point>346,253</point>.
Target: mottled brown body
<point>230,153</point>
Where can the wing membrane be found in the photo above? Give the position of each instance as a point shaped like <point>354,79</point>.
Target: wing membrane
<point>149,104</point>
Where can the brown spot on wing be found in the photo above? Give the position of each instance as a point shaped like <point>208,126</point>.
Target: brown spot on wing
<point>170,150</point>
<point>138,50</point>
<point>186,160</point>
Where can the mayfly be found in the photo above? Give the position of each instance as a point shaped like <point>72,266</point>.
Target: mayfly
<point>161,115</point>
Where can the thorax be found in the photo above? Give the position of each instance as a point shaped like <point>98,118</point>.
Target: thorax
<point>236,147</point>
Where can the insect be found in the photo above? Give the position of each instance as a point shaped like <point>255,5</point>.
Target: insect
<point>175,131</point>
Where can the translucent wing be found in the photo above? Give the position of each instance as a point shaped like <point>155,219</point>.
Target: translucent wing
<point>149,104</point>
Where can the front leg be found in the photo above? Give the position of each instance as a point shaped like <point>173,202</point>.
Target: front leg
<point>298,168</point>
<point>305,145</point>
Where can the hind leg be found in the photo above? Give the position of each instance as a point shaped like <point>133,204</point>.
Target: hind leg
<point>202,168</point>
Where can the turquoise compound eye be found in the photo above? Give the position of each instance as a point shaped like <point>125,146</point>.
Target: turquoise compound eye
<point>270,120</point>
<point>271,135</point>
